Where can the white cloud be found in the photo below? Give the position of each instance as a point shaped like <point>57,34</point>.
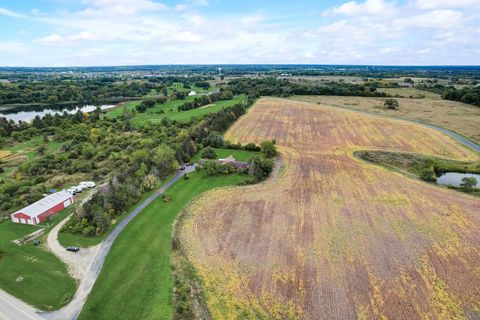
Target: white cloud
<point>442,19</point>
<point>121,7</point>
<point>443,4</point>
<point>11,13</point>
<point>50,39</point>
<point>181,6</point>
<point>369,7</point>
<point>252,20</point>
<point>108,32</point>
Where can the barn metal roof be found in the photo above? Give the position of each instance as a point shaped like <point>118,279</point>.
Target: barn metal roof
<point>42,205</point>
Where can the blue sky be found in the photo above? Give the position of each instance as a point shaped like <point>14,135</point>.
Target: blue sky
<point>128,32</point>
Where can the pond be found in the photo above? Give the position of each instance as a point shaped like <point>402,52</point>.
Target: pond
<point>28,116</point>
<point>455,178</point>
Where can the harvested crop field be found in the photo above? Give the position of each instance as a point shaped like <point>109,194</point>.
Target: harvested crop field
<point>456,116</point>
<point>332,237</point>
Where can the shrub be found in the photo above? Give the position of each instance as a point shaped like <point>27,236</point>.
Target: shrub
<point>209,153</point>
<point>214,168</point>
<point>391,104</point>
<point>268,148</point>
<point>428,175</point>
<point>259,168</point>
<point>468,182</point>
<point>252,147</point>
<point>141,108</point>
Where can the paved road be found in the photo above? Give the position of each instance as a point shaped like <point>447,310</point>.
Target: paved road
<point>12,308</point>
<point>452,134</point>
<point>72,310</point>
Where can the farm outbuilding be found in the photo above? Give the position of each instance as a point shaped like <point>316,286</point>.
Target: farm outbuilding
<point>37,212</point>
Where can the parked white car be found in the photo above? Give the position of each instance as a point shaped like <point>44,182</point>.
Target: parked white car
<point>72,190</point>
<point>89,184</point>
<point>80,188</point>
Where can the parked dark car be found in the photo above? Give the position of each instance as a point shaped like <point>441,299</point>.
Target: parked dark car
<point>73,248</point>
<point>36,242</point>
<point>182,168</point>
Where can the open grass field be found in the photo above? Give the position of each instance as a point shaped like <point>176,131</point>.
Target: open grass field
<point>334,237</point>
<point>410,93</point>
<point>459,117</point>
<point>169,110</point>
<point>136,281</point>
<point>32,273</point>
<point>69,239</point>
<point>12,156</point>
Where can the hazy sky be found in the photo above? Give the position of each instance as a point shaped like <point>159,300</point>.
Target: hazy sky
<point>127,32</point>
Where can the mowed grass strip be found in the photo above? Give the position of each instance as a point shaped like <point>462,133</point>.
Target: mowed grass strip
<point>31,273</point>
<point>169,110</point>
<point>136,281</point>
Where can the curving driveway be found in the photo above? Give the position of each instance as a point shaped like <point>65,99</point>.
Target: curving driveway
<point>73,309</point>
<point>77,262</point>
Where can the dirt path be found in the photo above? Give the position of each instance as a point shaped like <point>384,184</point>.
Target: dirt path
<point>77,262</point>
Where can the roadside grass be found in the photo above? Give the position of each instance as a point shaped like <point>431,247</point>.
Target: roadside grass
<point>69,239</point>
<point>136,279</point>
<point>240,155</point>
<point>31,273</point>
<point>169,110</point>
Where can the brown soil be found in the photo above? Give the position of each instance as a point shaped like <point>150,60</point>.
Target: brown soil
<point>332,237</point>
<point>460,117</point>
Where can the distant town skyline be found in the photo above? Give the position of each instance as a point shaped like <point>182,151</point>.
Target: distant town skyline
<point>141,32</point>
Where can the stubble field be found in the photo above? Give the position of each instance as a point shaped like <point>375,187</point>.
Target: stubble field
<point>456,116</point>
<point>332,237</point>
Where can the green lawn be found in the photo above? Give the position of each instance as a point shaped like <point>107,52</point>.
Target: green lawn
<point>136,281</point>
<point>27,148</point>
<point>68,239</point>
<point>240,155</point>
<point>32,273</point>
<point>169,110</point>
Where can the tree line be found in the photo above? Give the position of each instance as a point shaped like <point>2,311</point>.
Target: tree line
<point>470,95</point>
<point>55,90</point>
<point>148,166</point>
<point>271,86</point>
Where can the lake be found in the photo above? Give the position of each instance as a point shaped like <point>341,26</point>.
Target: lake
<point>29,115</point>
<point>455,178</point>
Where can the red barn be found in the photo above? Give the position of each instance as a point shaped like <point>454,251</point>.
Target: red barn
<point>37,212</point>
